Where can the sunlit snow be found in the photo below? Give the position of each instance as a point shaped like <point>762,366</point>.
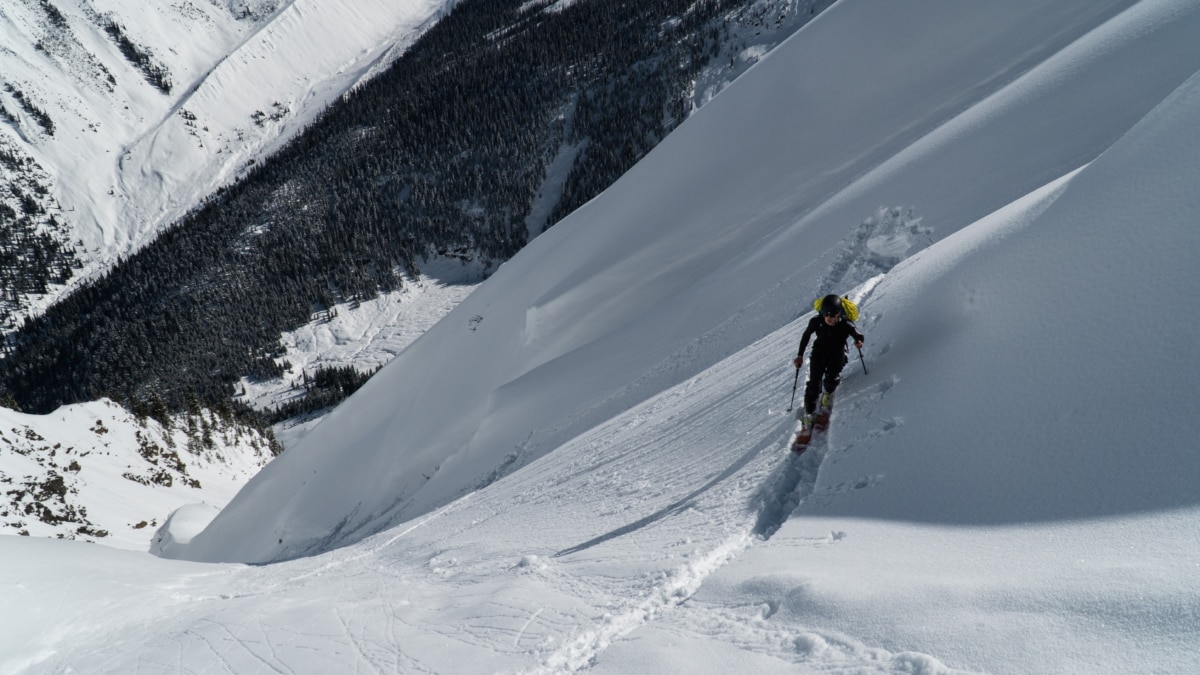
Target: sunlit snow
<point>128,158</point>
<point>584,466</point>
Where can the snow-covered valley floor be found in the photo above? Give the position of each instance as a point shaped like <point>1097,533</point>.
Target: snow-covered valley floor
<point>365,337</point>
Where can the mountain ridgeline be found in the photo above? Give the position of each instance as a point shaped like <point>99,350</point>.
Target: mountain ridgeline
<point>446,152</point>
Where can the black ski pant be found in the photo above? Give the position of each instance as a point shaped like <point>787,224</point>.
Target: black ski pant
<point>822,370</point>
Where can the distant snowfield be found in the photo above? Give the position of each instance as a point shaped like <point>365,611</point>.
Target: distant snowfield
<point>242,108</point>
<point>593,474</point>
<point>365,337</point>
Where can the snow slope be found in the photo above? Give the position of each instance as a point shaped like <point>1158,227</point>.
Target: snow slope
<point>596,476</point>
<point>126,158</point>
<point>651,284</point>
<point>95,472</point>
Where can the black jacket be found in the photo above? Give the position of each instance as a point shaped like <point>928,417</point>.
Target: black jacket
<point>831,340</point>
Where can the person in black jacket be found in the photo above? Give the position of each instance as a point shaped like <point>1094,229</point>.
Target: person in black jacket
<point>828,358</point>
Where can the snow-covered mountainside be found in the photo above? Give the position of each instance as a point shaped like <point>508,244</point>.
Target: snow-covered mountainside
<point>638,295</point>
<point>118,115</point>
<point>172,127</point>
<point>584,466</point>
<point>95,472</point>
<point>115,118</point>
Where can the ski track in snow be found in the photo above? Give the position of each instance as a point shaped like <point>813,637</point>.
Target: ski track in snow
<point>539,612</point>
<point>764,477</point>
<point>875,247</point>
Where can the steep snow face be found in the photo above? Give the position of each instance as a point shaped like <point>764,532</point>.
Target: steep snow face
<point>719,237</point>
<point>1049,321</point>
<point>1020,460</point>
<point>134,111</point>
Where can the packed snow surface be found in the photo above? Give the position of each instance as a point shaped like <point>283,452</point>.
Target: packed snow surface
<point>585,466</point>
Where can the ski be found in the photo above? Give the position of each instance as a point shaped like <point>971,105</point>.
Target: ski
<point>820,424</point>
<point>821,419</point>
<point>803,438</point>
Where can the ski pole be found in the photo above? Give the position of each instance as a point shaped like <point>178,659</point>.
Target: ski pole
<point>862,360</point>
<point>799,355</point>
<point>794,383</point>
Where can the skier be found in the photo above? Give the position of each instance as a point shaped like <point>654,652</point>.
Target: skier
<point>831,327</point>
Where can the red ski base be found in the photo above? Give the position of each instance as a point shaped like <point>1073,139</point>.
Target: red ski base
<point>820,424</point>
<point>802,440</point>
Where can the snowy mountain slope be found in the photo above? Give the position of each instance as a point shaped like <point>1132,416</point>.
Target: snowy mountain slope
<point>650,284</point>
<point>665,528</point>
<point>668,538</point>
<point>256,96</point>
<point>126,152</point>
<point>1019,467</point>
<point>95,472</point>
<point>363,337</point>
